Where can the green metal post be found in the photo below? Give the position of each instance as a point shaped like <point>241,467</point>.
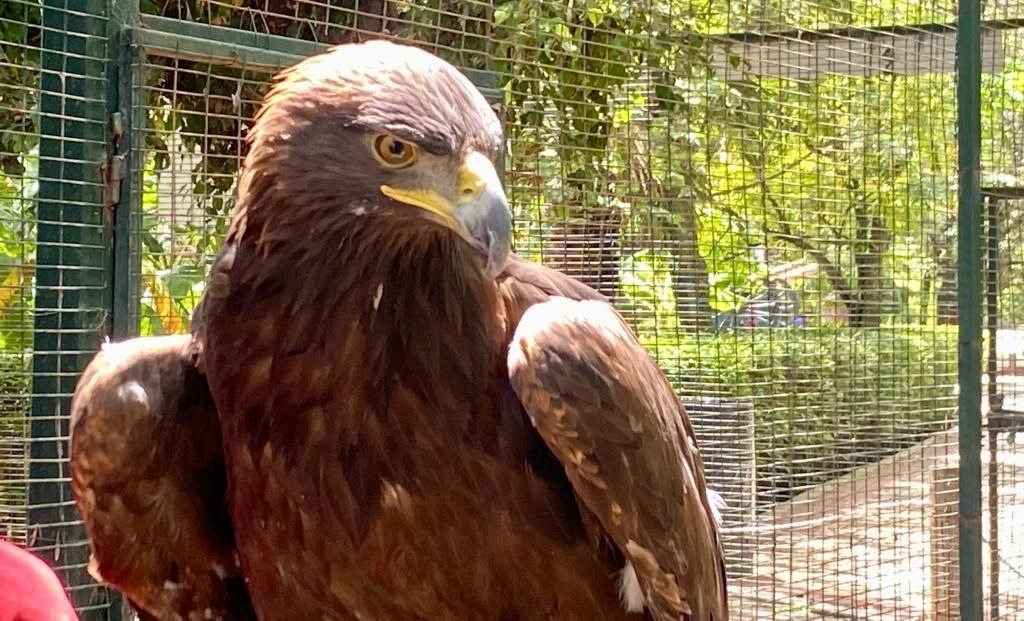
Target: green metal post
<point>126,102</point>
<point>969,277</point>
<point>71,277</point>
<point>120,201</point>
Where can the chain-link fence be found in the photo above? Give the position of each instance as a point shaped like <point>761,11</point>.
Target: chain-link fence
<point>768,190</point>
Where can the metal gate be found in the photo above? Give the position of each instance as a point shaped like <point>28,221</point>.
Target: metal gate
<point>1004,396</point>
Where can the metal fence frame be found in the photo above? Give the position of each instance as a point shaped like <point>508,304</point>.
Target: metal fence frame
<point>969,316</point>
<point>87,277</point>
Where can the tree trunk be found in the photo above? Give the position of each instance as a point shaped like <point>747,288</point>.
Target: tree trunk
<point>867,302</point>
<point>689,270</point>
<point>947,297</point>
<point>946,310</point>
<point>586,245</point>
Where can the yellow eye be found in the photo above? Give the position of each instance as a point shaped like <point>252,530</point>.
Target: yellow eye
<point>394,153</point>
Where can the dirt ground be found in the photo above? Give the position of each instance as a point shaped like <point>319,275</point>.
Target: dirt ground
<point>881,543</point>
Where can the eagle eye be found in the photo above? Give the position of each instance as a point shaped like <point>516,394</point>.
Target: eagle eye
<point>394,153</point>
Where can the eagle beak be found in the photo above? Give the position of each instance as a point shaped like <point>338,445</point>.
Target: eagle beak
<point>479,213</point>
<point>483,211</point>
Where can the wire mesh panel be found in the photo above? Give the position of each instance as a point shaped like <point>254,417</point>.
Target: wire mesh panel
<point>54,293</point>
<point>768,193</point>
<point>1003,390</point>
<point>18,189</point>
<point>1003,489</point>
<point>830,251</point>
<point>192,128</point>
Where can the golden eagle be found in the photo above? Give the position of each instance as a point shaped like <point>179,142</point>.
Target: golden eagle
<point>381,412</point>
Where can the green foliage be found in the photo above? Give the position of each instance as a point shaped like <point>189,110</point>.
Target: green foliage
<point>647,291</point>
<point>19,166</point>
<point>1002,102</point>
<point>14,393</point>
<point>825,400</point>
<point>839,179</point>
<point>15,401</point>
<point>176,253</point>
<point>17,254</point>
<point>19,74</point>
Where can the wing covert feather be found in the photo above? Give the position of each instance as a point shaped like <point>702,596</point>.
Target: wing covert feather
<point>148,478</point>
<point>608,413</point>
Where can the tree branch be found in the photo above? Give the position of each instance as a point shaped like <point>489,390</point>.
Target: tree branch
<point>785,233</point>
<point>762,180</point>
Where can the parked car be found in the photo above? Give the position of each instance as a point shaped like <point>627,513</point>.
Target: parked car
<point>778,307</point>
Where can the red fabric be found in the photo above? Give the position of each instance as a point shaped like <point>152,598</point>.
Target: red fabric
<point>29,590</point>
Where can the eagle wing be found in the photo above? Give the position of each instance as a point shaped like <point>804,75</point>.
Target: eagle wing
<point>609,415</point>
<point>147,474</point>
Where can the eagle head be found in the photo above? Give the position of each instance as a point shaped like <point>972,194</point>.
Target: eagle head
<point>379,126</point>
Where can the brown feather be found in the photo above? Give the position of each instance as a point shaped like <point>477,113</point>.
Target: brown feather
<point>148,478</point>
<point>380,465</point>
<point>372,464</point>
<point>607,412</point>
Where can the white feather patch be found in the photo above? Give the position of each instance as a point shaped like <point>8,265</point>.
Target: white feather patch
<point>377,295</point>
<point>133,393</point>
<point>718,504</point>
<point>562,311</point>
<point>630,595</point>
<point>218,569</point>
